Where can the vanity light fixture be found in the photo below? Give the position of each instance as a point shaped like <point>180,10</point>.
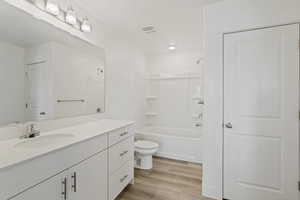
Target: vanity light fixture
<point>172,47</point>
<point>86,26</point>
<point>71,16</point>
<point>52,7</point>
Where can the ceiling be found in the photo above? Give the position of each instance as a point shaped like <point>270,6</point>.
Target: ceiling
<point>175,21</point>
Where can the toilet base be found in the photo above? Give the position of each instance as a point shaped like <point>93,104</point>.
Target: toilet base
<point>143,161</point>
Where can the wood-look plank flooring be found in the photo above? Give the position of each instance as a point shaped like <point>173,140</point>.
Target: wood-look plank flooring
<point>168,180</point>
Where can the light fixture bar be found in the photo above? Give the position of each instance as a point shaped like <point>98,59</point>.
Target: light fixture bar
<point>86,26</point>
<point>52,7</point>
<point>70,18</point>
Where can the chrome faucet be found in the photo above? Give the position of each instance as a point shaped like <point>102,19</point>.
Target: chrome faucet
<point>198,125</point>
<point>31,131</point>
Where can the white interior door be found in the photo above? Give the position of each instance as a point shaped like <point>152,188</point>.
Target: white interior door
<point>261,105</point>
<point>37,91</point>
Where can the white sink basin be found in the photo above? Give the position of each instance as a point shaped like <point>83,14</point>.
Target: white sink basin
<point>9,132</point>
<point>42,141</point>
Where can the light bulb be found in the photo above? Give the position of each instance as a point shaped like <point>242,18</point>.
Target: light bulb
<point>71,16</point>
<point>172,47</point>
<point>52,7</point>
<point>85,26</point>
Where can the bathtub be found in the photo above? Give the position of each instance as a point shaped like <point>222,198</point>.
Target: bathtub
<point>180,144</point>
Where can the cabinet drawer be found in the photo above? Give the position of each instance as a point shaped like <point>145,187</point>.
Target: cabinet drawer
<point>119,135</point>
<point>120,153</point>
<point>120,179</point>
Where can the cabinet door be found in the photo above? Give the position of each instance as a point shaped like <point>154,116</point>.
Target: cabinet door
<point>88,180</point>
<point>54,188</point>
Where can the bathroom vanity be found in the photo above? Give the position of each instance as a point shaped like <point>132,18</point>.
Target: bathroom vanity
<point>89,161</point>
<point>53,72</point>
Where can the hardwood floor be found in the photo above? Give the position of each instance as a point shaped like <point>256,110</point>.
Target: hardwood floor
<point>168,180</point>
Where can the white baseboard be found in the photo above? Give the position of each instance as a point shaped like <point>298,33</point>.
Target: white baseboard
<point>178,157</point>
<point>210,192</point>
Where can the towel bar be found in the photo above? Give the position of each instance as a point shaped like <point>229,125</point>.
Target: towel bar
<point>72,100</point>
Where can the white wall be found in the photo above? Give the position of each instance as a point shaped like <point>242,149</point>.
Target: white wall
<point>125,84</point>
<point>174,62</point>
<point>11,83</point>
<point>174,105</point>
<point>227,16</point>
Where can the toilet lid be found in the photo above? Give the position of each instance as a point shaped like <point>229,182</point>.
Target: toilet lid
<point>143,144</point>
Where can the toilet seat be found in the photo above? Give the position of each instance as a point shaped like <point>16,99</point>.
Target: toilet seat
<point>146,145</point>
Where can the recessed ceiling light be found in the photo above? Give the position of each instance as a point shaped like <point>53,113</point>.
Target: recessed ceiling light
<point>71,16</point>
<point>52,7</point>
<point>172,47</point>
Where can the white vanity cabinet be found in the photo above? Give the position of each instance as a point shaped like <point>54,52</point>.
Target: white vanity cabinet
<point>96,168</point>
<point>87,180</point>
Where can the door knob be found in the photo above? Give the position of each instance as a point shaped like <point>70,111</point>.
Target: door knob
<point>228,125</point>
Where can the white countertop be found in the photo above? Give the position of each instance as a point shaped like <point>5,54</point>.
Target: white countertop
<point>11,155</point>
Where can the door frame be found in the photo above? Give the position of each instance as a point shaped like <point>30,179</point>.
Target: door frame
<point>223,84</point>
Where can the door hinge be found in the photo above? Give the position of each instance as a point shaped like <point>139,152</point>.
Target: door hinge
<point>299,185</point>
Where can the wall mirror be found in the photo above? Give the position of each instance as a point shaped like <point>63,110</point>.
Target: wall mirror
<point>45,73</point>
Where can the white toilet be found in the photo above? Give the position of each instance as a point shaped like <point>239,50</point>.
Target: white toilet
<point>144,151</point>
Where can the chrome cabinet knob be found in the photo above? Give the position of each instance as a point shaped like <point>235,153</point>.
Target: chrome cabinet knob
<point>228,125</point>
